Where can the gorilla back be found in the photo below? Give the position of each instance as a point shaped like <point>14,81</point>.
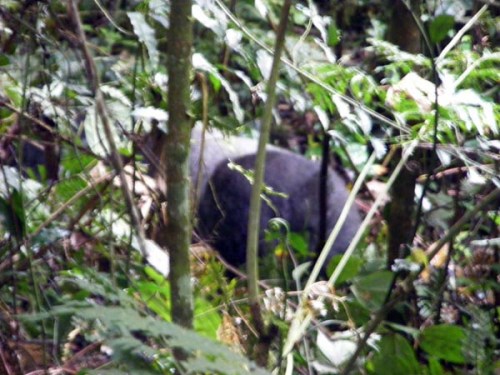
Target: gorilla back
<point>225,196</point>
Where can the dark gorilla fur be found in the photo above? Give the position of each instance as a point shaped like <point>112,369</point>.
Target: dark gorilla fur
<point>225,195</point>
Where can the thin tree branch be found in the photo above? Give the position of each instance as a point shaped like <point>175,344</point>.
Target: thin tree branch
<point>402,293</point>
<point>255,200</point>
<point>116,161</point>
<point>309,76</point>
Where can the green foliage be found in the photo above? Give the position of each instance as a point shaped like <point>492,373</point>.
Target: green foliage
<point>207,319</point>
<point>334,35</point>
<point>395,350</point>
<point>440,27</point>
<point>117,319</point>
<point>372,290</point>
<point>375,96</point>
<point>350,270</point>
<point>146,35</point>
<point>4,60</point>
<point>156,293</point>
<point>444,342</point>
<point>12,214</point>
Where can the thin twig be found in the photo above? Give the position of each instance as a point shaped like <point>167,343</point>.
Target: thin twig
<point>48,128</point>
<point>308,75</point>
<point>303,316</point>
<point>111,21</point>
<point>461,33</point>
<point>56,214</point>
<point>402,293</point>
<point>93,79</point>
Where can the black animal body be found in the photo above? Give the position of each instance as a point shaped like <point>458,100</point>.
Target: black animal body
<point>224,196</point>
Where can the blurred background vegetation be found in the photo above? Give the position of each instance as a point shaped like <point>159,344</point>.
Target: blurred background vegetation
<point>421,288</point>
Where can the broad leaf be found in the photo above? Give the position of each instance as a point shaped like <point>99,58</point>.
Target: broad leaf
<point>146,35</point>
<point>439,27</point>
<point>371,291</point>
<point>395,350</point>
<point>444,342</point>
<point>350,270</point>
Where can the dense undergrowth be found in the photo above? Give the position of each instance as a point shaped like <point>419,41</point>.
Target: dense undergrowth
<point>77,295</point>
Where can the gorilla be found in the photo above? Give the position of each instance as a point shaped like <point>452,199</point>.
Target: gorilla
<point>224,195</point>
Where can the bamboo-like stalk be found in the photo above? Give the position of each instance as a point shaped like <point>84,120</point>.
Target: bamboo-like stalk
<point>176,236</point>
<point>255,200</point>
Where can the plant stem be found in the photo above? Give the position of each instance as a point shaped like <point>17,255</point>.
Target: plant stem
<point>255,202</point>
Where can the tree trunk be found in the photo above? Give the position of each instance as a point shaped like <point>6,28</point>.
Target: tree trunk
<point>404,32</point>
<point>176,234</point>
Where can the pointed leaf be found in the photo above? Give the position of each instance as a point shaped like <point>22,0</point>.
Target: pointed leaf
<point>439,27</point>
<point>444,342</point>
<point>397,351</point>
<point>146,35</point>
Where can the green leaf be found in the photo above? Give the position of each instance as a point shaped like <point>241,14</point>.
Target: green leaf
<point>439,27</point>
<point>13,93</point>
<point>76,162</point>
<point>435,367</point>
<point>4,60</point>
<point>371,290</point>
<point>4,113</point>
<point>67,188</point>
<point>12,214</point>
<point>154,301</point>
<point>202,64</point>
<point>444,342</point>
<point>156,294</point>
<point>118,323</point>
<point>50,236</point>
<point>94,128</point>
<point>146,35</point>
<point>333,35</point>
<point>350,270</point>
<point>299,243</point>
<point>397,351</point>
<point>215,81</point>
<point>157,278</point>
<point>207,319</point>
